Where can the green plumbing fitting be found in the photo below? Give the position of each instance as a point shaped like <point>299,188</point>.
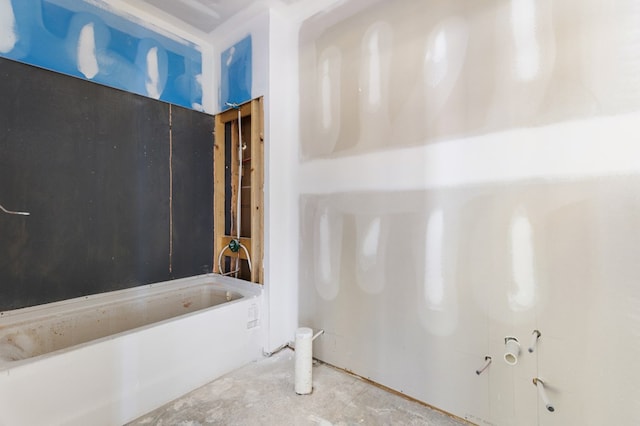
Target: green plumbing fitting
<point>234,246</point>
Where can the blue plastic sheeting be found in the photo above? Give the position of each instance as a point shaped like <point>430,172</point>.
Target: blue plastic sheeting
<point>236,74</point>
<point>100,46</point>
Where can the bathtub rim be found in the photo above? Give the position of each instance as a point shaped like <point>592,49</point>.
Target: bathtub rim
<point>247,290</point>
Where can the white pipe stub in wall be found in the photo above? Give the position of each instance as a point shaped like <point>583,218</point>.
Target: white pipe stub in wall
<point>534,340</point>
<point>511,350</point>
<point>543,395</point>
<point>304,360</point>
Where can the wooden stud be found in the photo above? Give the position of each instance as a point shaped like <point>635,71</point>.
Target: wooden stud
<point>257,190</point>
<point>218,189</point>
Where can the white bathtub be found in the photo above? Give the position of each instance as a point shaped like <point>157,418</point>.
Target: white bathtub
<point>107,359</point>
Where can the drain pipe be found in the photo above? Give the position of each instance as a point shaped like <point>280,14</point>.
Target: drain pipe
<point>304,360</point>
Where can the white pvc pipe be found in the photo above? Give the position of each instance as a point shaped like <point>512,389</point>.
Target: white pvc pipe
<point>511,350</point>
<point>534,340</point>
<point>318,334</point>
<point>240,160</point>
<point>303,361</point>
<point>543,395</point>
<point>239,201</point>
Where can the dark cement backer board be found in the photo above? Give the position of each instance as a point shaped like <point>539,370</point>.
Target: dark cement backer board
<point>92,166</point>
<point>192,164</point>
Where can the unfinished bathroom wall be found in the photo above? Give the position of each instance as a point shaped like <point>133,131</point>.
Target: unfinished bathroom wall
<point>466,174</point>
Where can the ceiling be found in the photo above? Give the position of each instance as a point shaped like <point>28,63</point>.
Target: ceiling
<point>207,15</point>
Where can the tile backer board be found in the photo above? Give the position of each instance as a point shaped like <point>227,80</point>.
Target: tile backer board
<point>93,166</point>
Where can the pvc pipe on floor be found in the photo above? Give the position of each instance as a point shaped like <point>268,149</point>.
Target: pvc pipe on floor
<point>303,361</point>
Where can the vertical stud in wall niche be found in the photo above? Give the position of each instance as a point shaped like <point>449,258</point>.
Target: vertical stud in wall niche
<point>239,195</point>
<point>257,189</point>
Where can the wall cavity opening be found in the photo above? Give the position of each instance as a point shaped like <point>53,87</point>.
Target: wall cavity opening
<point>239,192</point>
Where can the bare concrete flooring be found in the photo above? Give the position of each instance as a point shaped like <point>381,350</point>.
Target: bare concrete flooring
<point>262,393</point>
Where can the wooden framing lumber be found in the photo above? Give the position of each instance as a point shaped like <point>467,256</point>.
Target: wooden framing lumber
<point>253,238</point>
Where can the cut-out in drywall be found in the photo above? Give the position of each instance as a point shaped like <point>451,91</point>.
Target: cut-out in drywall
<point>236,73</point>
<point>99,45</point>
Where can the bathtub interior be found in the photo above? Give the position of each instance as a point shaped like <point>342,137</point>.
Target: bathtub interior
<point>31,332</point>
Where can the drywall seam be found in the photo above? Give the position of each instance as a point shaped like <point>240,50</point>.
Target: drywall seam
<point>145,15</point>
<point>570,150</point>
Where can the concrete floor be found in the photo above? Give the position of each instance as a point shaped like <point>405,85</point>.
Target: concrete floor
<point>262,393</point>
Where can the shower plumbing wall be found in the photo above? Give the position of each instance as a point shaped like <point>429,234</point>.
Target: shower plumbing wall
<point>465,175</point>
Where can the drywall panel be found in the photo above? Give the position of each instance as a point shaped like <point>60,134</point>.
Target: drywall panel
<point>281,183</point>
<point>415,288</point>
<point>236,74</point>
<point>92,41</point>
<point>398,74</point>
<point>379,273</point>
<point>240,60</point>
